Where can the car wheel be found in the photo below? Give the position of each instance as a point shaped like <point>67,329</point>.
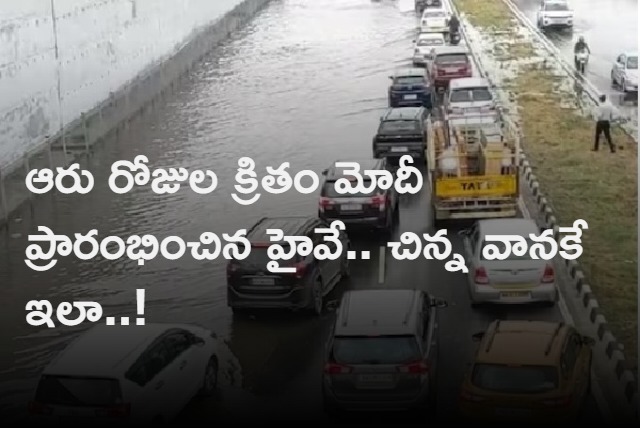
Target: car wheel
<point>317,299</point>
<point>210,380</point>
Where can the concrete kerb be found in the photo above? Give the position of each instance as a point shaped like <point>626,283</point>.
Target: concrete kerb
<point>613,352</point>
<point>115,113</point>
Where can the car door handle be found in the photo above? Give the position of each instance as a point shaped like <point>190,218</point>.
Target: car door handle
<point>183,364</point>
<point>160,384</point>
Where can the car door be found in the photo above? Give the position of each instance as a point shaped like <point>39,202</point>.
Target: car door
<point>190,370</point>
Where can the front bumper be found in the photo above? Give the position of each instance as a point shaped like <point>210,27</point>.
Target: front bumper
<point>381,402</point>
<point>298,298</point>
<point>489,294</point>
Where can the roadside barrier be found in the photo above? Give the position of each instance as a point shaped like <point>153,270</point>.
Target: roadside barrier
<point>591,309</point>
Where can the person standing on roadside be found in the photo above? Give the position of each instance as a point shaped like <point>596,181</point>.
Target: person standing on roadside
<point>604,116</point>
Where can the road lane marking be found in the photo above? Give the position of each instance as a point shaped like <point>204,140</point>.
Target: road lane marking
<point>596,390</point>
<point>381,264</point>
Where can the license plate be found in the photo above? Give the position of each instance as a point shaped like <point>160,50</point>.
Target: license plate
<point>515,294</point>
<point>263,281</point>
<point>351,207</point>
<point>399,149</point>
<point>375,380</point>
<point>411,97</point>
<point>513,412</point>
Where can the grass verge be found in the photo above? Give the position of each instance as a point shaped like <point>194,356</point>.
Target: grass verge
<point>598,187</point>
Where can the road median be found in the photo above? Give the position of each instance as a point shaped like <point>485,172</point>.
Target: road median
<point>554,113</point>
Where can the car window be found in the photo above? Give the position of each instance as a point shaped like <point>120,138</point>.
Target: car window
<point>177,343</point>
<point>501,248</point>
<point>452,58</point>
<point>329,191</point>
<point>469,95</point>
<point>77,391</point>
<point>149,365</point>
<point>556,7</point>
<point>632,63</point>
<point>376,350</point>
<point>570,354</point>
<point>430,42</point>
<point>518,379</point>
<point>409,80</point>
<point>399,126</point>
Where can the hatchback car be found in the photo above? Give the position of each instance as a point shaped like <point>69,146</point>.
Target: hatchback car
<point>409,87</point>
<point>377,208</point>
<point>514,280</point>
<point>450,62</point>
<point>382,352</point>
<point>402,131</point>
<point>424,46</point>
<point>528,371</point>
<point>469,95</point>
<point>127,374</point>
<point>250,285</point>
<point>624,73</point>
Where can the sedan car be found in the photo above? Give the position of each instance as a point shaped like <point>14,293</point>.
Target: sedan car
<point>471,95</point>
<point>516,280</point>
<point>127,374</point>
<point>624,73</point>
<point>434,21</point>
<point>423,47</point>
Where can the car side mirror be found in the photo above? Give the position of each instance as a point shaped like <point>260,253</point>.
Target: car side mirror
<point>477,337</point>
<point>588,341</point>
<point>439,303</point>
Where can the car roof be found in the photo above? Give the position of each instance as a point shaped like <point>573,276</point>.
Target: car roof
<point>409,72</point>
<point>468,82</point>
<point>402,113</point>
<point>430,35</point>
<point>445,50</point>
<point>103,350</point>
<point>334,173</point>
<point>628,54</point>
<point>508,226</point>
<point>522,343</point>
<point>382,312</point>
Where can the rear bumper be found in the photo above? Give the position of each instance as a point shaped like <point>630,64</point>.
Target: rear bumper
<point>507,212</point>
<point>382,402</point>
<point>298,298</point>
<point>423,100</point>
<point>488,294</point>
<point>380,221</point>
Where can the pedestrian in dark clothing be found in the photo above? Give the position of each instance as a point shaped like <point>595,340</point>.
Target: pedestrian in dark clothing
<point>604,116</point>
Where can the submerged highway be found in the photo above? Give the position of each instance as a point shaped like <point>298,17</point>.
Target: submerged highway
<point>304,82</point>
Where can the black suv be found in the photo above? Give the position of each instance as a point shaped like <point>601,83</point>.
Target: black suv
<point>402,131</point>
<point>251,286</point>
<point>410,88</point>
<point>377,208</point>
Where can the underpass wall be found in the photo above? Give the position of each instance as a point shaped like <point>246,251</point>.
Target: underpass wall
<point>72,72</point>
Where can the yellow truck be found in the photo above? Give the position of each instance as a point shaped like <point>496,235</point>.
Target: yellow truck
<point>472,167</point>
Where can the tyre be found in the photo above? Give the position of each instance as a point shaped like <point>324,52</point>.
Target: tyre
<point>316,305</point>
<point>210,380</point>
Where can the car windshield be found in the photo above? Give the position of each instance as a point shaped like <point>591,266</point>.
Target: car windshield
<point>515,379</point>
<point>409,80</point>
<point>556,7</point>
<point>258,258</point>
<point>470,94</point>
<point>430,42</point>
<point>501,248</point>
<point>632,63</point>
<point>399,126</point>
<point>76,391</point>
<point>329,191</point>
<point>376,350</point>
<point>451,58</point>
<point>435,14</point>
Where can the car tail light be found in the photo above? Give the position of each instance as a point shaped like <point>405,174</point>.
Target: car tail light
<point>549,274</point>
<point>325,202</point>
<point>117,411</point>
<point>301,269</point>
<point>558,402</point>
<point>379,201</point>
<point>419,367</point>
<point>334,368</point>
<point>36,408</point>
<point>481,276</point>
<point>468,396</point>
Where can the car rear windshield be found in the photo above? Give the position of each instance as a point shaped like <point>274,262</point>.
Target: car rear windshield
<point>259,256</point>
<point>501,248</point>
<point>556,7</point>
<point>632,63</point>
<point>430,42</point>
<point>457,58</point>
<point>376,350</point>
<point>75,391</point>
<point>508,379</point>
<point>399,127</point>
<point>409,80</point>
<point>329,191</point>
<point>435,14</point>
<point>470,94</point>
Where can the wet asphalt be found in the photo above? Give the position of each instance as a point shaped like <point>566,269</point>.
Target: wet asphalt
<point>304,82</point>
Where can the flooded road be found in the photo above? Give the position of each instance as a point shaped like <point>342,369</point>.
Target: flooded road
<point>610,28</point>
<point>305,82</point>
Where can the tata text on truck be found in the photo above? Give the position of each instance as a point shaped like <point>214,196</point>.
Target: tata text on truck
<point>472,168</point>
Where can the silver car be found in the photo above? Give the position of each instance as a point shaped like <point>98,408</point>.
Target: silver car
<point>515,280</point>
<point>382,352</point>
<point>624,72</point>
<point>469,95</point>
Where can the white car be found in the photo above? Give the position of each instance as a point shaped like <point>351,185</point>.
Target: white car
<point>515,280</point>
<point>434,21</point>
<point>126,374</point>
<point>554,13</point>
<point>469,95</point>
<point>624,73</point>
<point>423,46</point>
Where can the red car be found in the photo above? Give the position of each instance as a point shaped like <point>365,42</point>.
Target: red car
<point>450,62</point>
